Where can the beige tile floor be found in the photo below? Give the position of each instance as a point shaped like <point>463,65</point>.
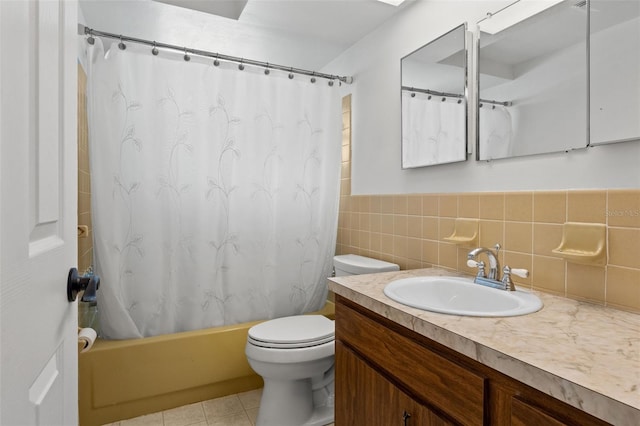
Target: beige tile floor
<point>234,410</point>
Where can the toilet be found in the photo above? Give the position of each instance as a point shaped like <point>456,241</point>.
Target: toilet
<point>295,357</point>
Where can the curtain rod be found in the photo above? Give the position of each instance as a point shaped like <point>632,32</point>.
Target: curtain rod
<point>83,30</point>
<point>431,92</point>
<point>454,95</point>
<point>486,101</point>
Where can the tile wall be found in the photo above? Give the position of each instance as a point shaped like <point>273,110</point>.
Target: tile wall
<point>409,229</point>
<point>85,239</point>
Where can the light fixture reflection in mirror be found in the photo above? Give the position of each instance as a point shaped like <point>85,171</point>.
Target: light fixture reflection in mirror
<point>532,79</point>
<point>434,102</point>
<point>615,71</point>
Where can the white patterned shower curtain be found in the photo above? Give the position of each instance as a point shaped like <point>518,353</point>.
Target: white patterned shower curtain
<point>214,191</point>
<point>495,132</point>
<point>433,131</point>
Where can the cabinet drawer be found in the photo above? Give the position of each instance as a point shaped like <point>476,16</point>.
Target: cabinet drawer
<point>429,377</point>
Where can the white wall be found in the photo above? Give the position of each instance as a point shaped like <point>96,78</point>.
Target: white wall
<point>374,62</point>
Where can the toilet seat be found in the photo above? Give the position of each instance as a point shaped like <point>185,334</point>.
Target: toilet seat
<point>295,332</point>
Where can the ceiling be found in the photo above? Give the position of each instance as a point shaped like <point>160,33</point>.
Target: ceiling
<point>339,21</point>
<point>325,28</point>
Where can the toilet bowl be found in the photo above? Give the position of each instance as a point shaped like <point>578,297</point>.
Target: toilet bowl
<point>295,357</point>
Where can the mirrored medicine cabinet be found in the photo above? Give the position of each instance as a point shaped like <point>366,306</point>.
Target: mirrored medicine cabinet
<point>532,80</point>
<point>560,77</point>
<point>565,77</point>
<point>434,101</point>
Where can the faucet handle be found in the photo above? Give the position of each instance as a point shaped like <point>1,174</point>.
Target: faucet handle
<point>506,279</point>
<point>472,263</point>
<point>522,273</point>
<point>480,265</point>
<point>506,276</point>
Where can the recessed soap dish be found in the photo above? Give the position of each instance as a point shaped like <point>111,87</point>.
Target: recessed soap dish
<point>465,232</point>
<point>583,243</point>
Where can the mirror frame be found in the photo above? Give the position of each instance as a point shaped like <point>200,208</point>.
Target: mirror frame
<point>465,95</point>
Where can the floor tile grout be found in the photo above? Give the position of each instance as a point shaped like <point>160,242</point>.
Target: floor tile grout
<point>232,407</point>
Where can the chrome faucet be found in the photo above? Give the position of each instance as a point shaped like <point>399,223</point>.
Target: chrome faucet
<point>492,279</point>
<point>493,260</point>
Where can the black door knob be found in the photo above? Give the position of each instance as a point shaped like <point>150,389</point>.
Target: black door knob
<point>76,284</point>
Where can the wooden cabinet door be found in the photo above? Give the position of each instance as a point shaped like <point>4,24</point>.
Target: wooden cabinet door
<point>433,379</point>
<point>365,397</point>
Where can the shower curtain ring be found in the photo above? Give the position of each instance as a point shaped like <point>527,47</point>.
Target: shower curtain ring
<point>154,51</point>
<point>330,83</point>
<point>266,70</point>
<point>241,66</point>
<point>90,39</point>
<point>313,79</point>
<point>121,45</point>
<point>186,57</point>
<point>216,62</point>
<point>291,73</point>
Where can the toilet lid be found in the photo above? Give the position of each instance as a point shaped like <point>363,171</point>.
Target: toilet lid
<point>293,332</point>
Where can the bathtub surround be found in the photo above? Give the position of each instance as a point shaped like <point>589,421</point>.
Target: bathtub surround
<point>214,191</point>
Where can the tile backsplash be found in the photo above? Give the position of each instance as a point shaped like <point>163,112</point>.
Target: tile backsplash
<point>409,229</point>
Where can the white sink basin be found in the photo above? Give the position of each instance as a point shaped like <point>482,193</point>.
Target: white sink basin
<point>461,296</point>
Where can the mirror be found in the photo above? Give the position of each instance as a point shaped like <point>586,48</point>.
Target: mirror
<point>615,71</point>
<point>434,102</point>
<point>532,77</point>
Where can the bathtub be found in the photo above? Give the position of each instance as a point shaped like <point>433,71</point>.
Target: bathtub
<point>120,379</point>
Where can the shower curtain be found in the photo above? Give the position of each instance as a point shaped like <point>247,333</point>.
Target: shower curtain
<point>495,132</point>
<point>214,191</point>
<point>433,131</point>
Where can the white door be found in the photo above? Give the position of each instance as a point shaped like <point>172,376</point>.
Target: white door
<point>38,166</point>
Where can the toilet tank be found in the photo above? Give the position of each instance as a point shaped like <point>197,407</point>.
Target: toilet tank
<point>352,264</point>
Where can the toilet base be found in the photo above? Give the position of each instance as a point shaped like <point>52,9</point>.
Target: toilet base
<point>291,403</point>
<point>322,416</point>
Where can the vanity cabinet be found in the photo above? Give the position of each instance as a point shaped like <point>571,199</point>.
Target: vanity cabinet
<point>389,375</point>
<point>382,404</point>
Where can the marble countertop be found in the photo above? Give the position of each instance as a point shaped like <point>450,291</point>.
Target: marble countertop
<point>585,355</point>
